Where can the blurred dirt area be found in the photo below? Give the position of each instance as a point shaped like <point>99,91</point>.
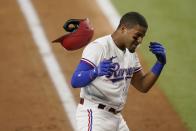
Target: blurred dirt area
<point>29,101</point>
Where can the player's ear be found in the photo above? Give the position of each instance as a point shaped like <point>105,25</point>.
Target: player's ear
<point>123,29</point>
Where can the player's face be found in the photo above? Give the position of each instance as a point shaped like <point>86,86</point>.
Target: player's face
<point>133,37</point>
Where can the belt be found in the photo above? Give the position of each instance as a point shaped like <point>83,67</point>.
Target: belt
<point>102,106</point>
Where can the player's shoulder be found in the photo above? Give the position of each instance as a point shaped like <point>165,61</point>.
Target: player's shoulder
<point>103,39</point>
<point>98,43</point>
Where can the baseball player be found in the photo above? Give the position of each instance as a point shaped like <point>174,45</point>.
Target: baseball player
<point>107,68</point>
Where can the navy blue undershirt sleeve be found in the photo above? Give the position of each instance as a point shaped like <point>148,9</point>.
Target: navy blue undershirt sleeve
<point>83,75</point>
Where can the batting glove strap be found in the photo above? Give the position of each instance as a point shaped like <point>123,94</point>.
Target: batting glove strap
<point>157,68</point>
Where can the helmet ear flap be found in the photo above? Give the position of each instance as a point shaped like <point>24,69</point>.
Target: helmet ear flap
<point>71,25</point>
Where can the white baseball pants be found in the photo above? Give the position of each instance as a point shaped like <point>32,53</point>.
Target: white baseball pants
<point>90,118</point>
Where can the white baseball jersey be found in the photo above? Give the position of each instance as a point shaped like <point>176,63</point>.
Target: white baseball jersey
<point>112,90</point>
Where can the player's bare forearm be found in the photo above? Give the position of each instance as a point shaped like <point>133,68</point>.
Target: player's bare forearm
<point>144,82</point>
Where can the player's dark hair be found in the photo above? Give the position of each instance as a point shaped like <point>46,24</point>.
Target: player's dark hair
<point>131,19</point>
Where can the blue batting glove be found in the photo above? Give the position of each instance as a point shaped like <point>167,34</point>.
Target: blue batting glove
<point>106,67</point>
<point>159,51</point>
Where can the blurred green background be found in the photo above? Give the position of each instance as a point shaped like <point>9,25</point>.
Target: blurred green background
<point>173,23</point>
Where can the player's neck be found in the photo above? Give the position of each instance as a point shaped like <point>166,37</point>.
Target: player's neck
<point>117,41</point>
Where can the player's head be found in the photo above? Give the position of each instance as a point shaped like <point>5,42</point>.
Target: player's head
<point>132,29</point>
<point>131,19</point>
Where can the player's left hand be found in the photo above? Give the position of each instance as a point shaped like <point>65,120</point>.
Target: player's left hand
<point>106,67</point>
<point>159,51</point>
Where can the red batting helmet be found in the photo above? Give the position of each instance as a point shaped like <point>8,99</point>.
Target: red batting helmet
<point>79,36</point>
